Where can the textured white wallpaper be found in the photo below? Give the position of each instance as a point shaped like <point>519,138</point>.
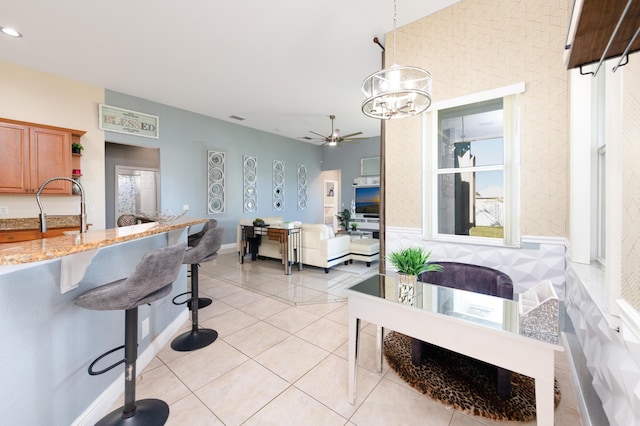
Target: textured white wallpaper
<point>630,286</point>
<point>474,46</point>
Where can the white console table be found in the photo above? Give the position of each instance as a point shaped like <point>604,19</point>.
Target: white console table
<point>497,342</point>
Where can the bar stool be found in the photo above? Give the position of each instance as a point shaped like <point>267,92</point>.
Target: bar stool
<point>206,250</point>
<point>152,279</point>
<point>193,241</point>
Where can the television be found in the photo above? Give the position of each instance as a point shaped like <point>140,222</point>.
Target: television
<point>367,199</point>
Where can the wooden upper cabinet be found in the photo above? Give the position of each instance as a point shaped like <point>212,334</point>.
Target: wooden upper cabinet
<point>14,145</point>
<point>50,156</point>
<point>33,153</point>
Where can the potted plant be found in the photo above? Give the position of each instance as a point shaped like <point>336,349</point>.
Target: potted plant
<point>76,148</point>
<point>410,262</point>
<point>258,222</point>
<point>354,226</point>
<point>343,218</point>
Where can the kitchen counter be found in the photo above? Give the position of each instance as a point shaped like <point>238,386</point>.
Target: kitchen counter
<point>28,223</point>
<point>48,341</point>
<point>52,248</point>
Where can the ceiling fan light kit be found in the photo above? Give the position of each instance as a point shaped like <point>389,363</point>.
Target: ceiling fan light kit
<point>334,137</point>
<point>397,91</point>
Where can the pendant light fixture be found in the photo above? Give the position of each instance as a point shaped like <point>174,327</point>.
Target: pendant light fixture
<point>397,91</point>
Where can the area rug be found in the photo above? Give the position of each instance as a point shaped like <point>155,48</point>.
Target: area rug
<point>463,383</point>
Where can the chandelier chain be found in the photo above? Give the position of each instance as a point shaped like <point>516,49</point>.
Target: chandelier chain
<point>394,31</point>
<point>396,91</point>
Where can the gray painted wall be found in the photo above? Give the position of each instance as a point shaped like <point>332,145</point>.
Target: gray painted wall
<point>185,138</point>
<point>346,157</point>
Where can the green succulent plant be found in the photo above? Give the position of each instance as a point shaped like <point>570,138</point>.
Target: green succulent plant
<point>412,261</point>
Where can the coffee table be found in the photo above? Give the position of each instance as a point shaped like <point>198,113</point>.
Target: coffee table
<point>477,325</point>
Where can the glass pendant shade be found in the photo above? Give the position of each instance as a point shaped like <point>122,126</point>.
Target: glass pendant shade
<point>396,92</point>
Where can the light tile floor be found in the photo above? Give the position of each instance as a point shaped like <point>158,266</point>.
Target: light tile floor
<point>281,357</point>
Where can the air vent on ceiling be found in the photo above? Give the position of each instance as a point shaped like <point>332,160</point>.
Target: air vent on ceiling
<point>235,117</point>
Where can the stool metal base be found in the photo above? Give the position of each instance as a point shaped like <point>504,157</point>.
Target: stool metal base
<point>203,302</point>
<point>192,340</point>
<point>148,412</point>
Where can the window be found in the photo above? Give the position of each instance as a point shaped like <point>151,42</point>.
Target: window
<point>472,178</point>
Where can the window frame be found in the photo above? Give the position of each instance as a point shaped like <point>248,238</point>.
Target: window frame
<point>601,206</point>
<point>511,166</point>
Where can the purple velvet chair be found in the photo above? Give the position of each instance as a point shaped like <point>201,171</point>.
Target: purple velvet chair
<point>477,279</point>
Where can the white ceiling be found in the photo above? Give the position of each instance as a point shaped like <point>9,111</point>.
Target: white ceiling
<point>284,66</point>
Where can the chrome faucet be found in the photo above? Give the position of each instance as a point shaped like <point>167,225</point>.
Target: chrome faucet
<point>83,212</point>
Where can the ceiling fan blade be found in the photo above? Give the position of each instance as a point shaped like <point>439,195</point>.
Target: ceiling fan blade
<point>351,134</point>
<point>356,139</point>
<point>318,134</point>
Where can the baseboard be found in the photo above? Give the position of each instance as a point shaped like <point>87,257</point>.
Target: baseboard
<point>225,248</point>
<point>101,406</point>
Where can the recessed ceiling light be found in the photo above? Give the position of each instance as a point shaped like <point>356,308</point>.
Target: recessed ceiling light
<point>10,32</point>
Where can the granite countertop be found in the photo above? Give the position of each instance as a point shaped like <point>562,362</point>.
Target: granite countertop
<point>53,248</point>
<point>27,223</point>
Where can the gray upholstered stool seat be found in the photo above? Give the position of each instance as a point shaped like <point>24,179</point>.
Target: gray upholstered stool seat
<point>151,279</point>
<point>115,296</point>
<point>206,249</point>
<point>194,239</point>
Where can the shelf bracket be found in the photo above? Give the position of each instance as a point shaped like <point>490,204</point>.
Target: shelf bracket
<point>625,54</point>
<point>615,32</point>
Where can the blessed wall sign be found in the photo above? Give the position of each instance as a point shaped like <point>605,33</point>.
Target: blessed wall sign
<point>124,121</point>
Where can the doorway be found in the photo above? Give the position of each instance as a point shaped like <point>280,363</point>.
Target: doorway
<point>137,190</point>
<point>132,158</point>
<point>331,197</point>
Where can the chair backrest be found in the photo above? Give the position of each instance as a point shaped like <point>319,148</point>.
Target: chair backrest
<point>475,278</point>
<point>206,248</point>
<point>194,239</point>
<point>157,269</point>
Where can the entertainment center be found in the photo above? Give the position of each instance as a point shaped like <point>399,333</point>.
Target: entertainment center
<point>367,208</point>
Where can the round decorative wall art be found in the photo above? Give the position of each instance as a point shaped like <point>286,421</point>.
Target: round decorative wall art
<point>250,193</point>
<point>278,185</point>
<point>302,186</point>
<point>215,182</point>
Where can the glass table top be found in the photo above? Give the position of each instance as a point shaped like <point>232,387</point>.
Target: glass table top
<point>488,311</point>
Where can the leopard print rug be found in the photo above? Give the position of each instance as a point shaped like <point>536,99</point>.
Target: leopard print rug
<point>463,383</point>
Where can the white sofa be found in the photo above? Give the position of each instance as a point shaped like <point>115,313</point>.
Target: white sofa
<point>322,248</point>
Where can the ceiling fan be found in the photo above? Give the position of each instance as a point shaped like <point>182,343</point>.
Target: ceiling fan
<point>334,138</point>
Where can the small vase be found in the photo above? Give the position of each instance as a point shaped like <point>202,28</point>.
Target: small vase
<point>407,288</point>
